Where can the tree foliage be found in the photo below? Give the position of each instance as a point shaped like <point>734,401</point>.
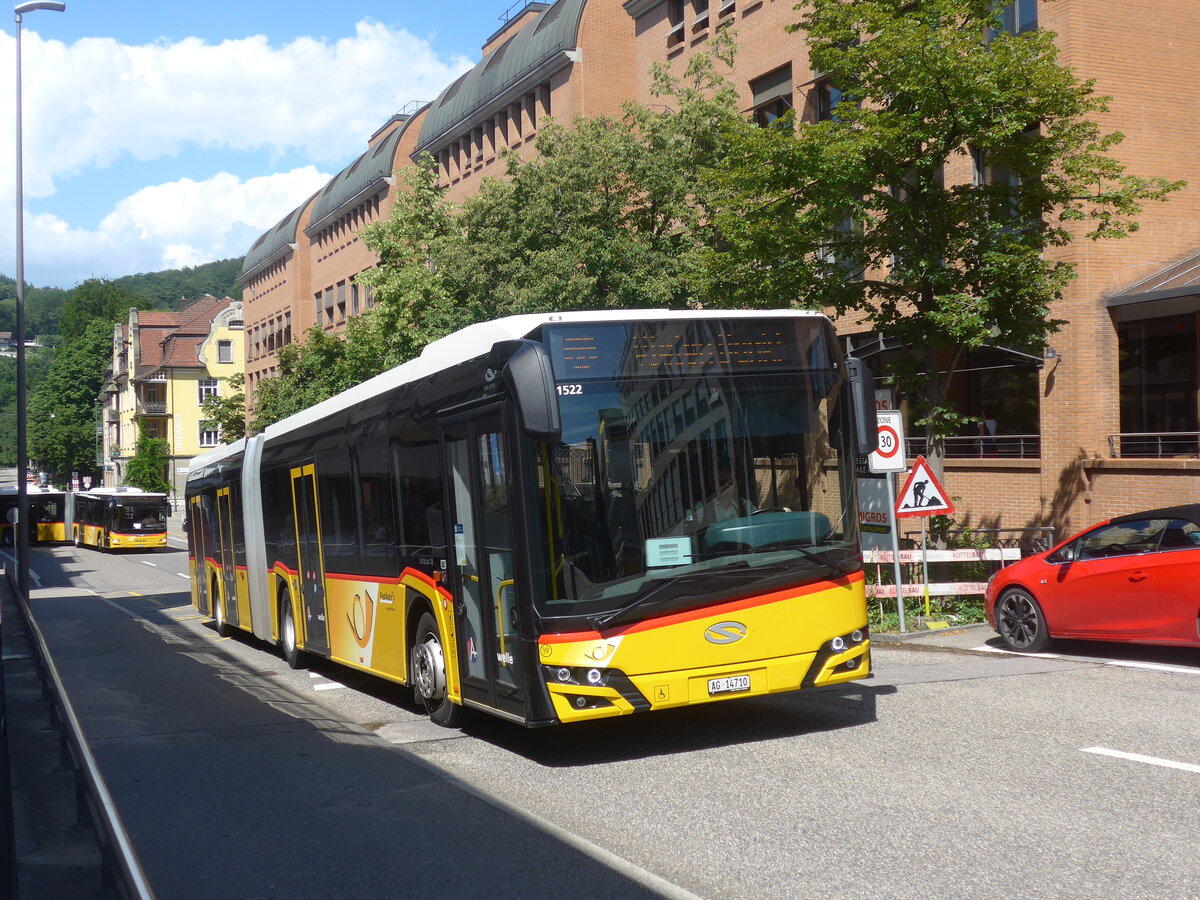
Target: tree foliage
<point>63,413</point>
<point>148,465</point>
<point>858,212</point>
<point>165,289</point>
<point>608,215</point>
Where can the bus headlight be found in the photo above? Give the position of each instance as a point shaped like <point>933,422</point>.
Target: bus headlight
<point>594,676</point>
<point>564,675</point>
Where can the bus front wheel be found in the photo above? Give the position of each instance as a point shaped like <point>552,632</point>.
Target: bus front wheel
<point>293,655</point>
<point>429,675</point>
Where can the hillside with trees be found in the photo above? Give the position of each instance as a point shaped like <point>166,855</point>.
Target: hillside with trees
<point>165,289</point>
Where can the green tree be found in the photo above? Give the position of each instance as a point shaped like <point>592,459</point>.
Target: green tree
<point>608,215</point>
<point>63,413</point>
<point>96,299</point>
<point>855,212</point>
<point>228,412</point>
<point>149,462</point>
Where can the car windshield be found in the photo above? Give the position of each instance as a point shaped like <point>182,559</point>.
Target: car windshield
<point>141,516</point>
<point>678,492</point>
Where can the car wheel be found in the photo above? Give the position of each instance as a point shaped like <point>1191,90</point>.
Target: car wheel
<point>429,674</point>
<point>218,610</point>
<point>1020,622</point>
<point>287,635</point>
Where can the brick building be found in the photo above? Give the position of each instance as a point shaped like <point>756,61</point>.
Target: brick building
<point>1105,422</point>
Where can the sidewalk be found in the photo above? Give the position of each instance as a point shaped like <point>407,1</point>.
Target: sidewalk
<point>962,637</point>
<point>55,857</point>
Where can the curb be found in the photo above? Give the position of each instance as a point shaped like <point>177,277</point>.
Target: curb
<point>893,637</point>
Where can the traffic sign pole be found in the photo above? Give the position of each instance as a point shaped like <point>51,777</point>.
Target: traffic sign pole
<point>891,486</point>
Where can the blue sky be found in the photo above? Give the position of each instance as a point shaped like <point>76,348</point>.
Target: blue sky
<point>160,134</point>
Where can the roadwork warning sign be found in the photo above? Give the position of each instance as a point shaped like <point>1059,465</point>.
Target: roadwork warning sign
<point>922,495</point>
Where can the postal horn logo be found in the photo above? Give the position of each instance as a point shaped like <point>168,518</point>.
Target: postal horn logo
<point>725,632</point>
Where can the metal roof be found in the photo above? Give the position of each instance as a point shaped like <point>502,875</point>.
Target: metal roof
<point>272,243</point>
<point>541,41</point>
<point>369,169</point>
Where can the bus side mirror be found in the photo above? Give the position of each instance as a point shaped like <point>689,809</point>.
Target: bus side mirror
<point>862,395</point>
<point>529,376</point>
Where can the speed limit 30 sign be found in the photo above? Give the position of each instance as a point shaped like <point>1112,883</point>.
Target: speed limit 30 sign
<point>888,455</point>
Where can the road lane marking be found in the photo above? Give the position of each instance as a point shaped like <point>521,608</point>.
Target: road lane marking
<point>1123,663</point>
<point>1137,757</point>
<point>145,563</point>
<point>328,686</point>
<point>181,575</point>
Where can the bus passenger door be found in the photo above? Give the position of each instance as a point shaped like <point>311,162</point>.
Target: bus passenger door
<point>310,560</point>
<point>198,545</point>
<point>481,525</point>
<point>228,568</point>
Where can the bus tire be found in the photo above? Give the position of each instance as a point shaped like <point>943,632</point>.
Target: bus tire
<point>218,609</point>
<point>429,674</point>
<point>292,654</point>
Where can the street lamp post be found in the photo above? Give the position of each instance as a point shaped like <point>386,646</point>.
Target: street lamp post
<point>22,526</point>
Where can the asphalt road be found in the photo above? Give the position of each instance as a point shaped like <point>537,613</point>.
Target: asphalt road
<point>951,773</point>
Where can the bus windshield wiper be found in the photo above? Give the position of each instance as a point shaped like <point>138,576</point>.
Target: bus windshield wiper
<point>840,567</point>
<point>601,622</point>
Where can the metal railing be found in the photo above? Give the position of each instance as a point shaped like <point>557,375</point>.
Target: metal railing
<point>1154,444</point>
<point>123,874</point>
<point>152,407</point>
<point>1003,446</point>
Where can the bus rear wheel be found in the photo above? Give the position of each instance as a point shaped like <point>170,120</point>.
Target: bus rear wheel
<point>429,675</point>
<point>292,653</point>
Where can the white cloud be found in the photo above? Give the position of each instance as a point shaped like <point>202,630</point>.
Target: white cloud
<point>95,101</point>
<point>183,223</point>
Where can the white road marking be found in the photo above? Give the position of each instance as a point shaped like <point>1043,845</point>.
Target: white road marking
<point>144,563</point>
<point>328,686</point>
<point>1137,757</point>
<point>181,575</point>
<point>1124,663</point>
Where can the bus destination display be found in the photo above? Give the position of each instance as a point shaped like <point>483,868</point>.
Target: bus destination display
<point>653,349</point>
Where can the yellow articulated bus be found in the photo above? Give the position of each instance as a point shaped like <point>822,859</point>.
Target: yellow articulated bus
<point>560,517</point>
<point>47,515</point>
<point>120,518</point>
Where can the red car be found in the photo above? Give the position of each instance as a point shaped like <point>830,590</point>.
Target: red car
<point>1135,578</point>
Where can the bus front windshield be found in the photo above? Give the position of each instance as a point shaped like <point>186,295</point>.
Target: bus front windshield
<point>702,484</point>
<point>144,517</point>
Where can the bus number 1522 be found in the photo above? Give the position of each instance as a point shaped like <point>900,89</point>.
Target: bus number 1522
<point>565,390</point>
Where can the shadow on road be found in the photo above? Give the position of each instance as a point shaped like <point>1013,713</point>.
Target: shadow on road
<point>1103,651</point>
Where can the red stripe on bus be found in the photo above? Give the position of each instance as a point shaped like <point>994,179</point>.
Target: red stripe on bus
<point>692,615</point>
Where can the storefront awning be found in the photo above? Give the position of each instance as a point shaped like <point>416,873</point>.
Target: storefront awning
<point>1171,291</point>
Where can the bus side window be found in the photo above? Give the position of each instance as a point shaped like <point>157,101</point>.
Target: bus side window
<point>418,500</point>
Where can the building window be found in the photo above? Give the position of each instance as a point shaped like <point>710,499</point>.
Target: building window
<point>341,300</point>
<point>1019,16</point>
<point>675,20</point>
<point>772,95</point>
<point>1158,386</point>
<point>354,299</point>
<point>225,351</point>
<point>828,97</point>
<point>700,17</point>
<point>208,388</point>
<point>208,434</point>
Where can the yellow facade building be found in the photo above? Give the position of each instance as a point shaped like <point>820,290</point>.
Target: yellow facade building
<point>164,365</point>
